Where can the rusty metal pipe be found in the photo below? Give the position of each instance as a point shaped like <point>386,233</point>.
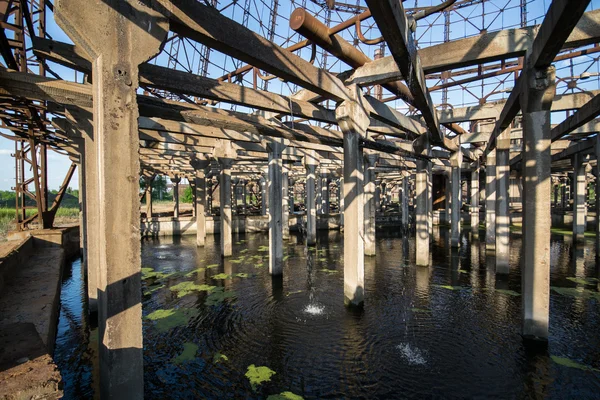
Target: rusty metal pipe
<point>314,30</point>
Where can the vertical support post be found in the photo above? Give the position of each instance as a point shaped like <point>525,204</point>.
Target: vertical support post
<point>275,149</point>
<point>369,197</point>
<point>430,199</point>
<point>285,221</point>
<point>448,173</point>
<point>490,200</point>
<point>243,182</point>
<point>404,201</point>
<point>117,45</point>
<point>502,203</point>
<point>536,101</point>
<point>475,201</point>
<point>341,200</point>
<point>264,196</point>
<point>456,203</point>
<point>422,233</point>
<point>579,205</point>
<point>200,203</point>
<point>597,187</point>
<point>175,180</point>
<point>149,202</point>
<point>324,191</point>
<point>226,217</point>
<point>353,121</point>
<point>319,192</point>
<point>310,161</point>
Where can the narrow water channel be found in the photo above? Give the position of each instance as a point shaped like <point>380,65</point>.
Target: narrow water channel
<point>448,331</point>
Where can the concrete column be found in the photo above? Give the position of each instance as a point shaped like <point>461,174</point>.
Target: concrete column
<point>579,191</point>
<point>226,216</point>
<point>264,196</point>
<point>448,173</point>
<point>324,192</point>
<point>82,206</point>
<point>149,202</point>
<point>490,200</point>
<point>354,121</point>
<point>430,199</point>
<point>536,101</point>
<point>116,46</point>
<point>456,202</point>
<point>285,221</point>
<point>342,201</point>
<point>319,193</point>
<point>244,202</point>
<point>555,186</point>
<point>597,187</point>
<point>175,180</point>
<point>369,198</point>
<point>92,220</point>
<point>475,202</point>
<point>502,203</point>
<point>200,203</point>
<point>422,233</point>
<point>311,163</point>
<point>275,207</point>
<point>377,196</point>
<point>404,201</point>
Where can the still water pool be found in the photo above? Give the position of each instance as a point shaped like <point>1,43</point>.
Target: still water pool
<point>225,329</point>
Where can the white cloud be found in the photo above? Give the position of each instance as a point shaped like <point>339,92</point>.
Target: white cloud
<point>6,152</point>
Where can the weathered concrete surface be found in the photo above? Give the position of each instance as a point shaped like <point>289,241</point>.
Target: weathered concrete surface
<point>456,203</point>
<point>311,163</point>
<point>535,262</point>
<point>579,197</point>
<point>502,203</point>
<point>490,200</point>
<point>275,208</point>
<point>13,255</point>
<point>369,198</point>
<point>26,369</point>
<point>475,202</point>
<point>422,217</point>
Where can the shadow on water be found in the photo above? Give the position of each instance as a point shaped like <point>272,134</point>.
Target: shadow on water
<point>450,330</point>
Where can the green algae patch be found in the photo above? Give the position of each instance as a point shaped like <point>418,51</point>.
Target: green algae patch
<point>185,288</point>
<point>258,375</point>
<point>449,287</point>
<point>172,318</point>
<point>237,261</point>
<point>566,362</point>
<point>420,310</point>
<point>212,266</point>
<point>244,251</point>
<point>188,354</point>
<point>196,271</point>
<point>508,292</point>
<point>259,265</point>
<point>263,248</point>
<point>152,289</point>
<point>285,396</point>
<point>293,292</point>
<point>462,271</point>
<point>241,275</point>
<point>328,271</point>
<point>149,273</point>
<point>583,281</point>
<point>221,276</point>
<point>218,296</point>
<point>285,258</point>
<point>576,292</point>
<point>218,357</point>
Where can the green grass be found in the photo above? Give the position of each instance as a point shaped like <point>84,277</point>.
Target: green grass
<point>7,217</point>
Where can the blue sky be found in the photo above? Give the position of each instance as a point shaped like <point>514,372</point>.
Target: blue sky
<point>499,14</point>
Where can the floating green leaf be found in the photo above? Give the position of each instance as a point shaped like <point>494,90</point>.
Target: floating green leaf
<point>565,362</point>
<point>188,354</point>
<point>236,261</point>
<point>218,296</point>
<point>212,266</point>
<point>285,396</point>
<point>576,292</point>
<point>241,275</point>
<point>263,248</point>
<point>462,271</point>
<point>508,292</point>
<point>449,287</point>
<point>583,281</point>
<point>149,273</point>
<point>243,251</point>
<point>169,319</point>
<point>323,259</point>
<point>258,375</point>
<point>285,258</point>
<point>259,265</point>
<point>218,357</point>
<point>293,292</point>
<point>185,288</point>
<point>196,271</point>
<point>328,271</point>
<point>221,276</point>
<point>152,289</point>
<point>420,310</point>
